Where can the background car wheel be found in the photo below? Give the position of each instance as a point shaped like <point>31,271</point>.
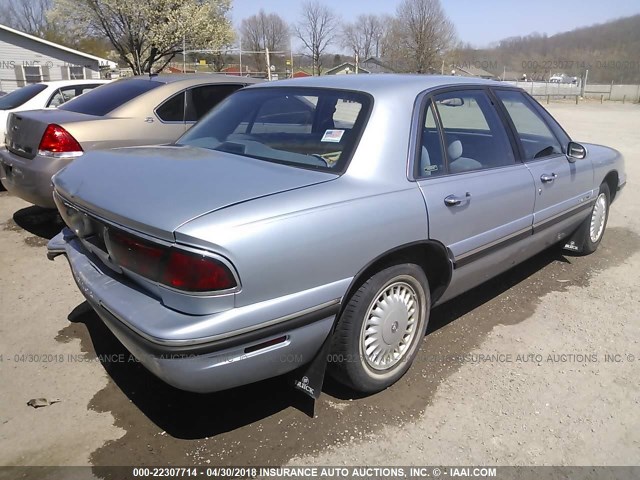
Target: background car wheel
<point>381,328</point>
<point>597,222</point>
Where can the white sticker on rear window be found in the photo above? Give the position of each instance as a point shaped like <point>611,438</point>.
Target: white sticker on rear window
<point>333,136</point>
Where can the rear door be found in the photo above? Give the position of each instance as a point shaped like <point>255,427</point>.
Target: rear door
<point>564,188</point>
<point>478,197</point>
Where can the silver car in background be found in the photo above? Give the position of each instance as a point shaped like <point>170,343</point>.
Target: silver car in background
<point>127,112</point>
<point>323,216</point>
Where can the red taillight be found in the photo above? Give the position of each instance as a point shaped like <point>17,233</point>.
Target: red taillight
<point>196,273</point>
<point>139,256</point>
<point>182,270</point>
<point>57,142</point>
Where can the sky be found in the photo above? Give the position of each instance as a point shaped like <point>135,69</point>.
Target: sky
<point>477,22</point>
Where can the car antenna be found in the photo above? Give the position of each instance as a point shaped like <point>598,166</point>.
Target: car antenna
<point>152,58</point>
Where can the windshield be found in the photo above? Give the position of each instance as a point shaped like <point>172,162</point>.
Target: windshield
<point>303,127</point>
<point>110,96</point>
<point>20,96</point>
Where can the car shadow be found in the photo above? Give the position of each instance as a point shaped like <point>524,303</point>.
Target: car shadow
<point>41,222</point>
<point>455,308</point>
<point>183,414</point>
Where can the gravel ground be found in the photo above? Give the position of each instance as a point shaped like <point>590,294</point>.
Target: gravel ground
<point>529,384</point>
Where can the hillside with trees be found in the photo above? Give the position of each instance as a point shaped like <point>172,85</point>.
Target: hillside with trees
<point>610,51</point>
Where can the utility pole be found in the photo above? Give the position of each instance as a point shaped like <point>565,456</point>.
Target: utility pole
<point>291,55</point>
<point>241,74</point>
<point>268,63</point>
<point>357,63</point>
<point>184,53</point>
<point>584,84</point>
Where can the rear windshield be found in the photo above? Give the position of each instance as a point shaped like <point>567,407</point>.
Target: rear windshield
<point>302,127</point>
<point>109,96</point>
<point>20,96</point>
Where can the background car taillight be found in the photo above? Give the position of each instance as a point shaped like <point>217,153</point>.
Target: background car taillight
<point>57,142</point>
<point>171,266</point>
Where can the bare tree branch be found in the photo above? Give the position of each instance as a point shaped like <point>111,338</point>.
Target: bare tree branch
<point>363,36</point>
<point>317,29</point>
<point>262,31</point>
<point>420,34</point>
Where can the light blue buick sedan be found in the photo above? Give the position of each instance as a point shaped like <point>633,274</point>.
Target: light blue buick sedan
<point>317,221</point>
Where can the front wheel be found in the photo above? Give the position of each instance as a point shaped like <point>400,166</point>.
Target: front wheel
<point>597,222</point>
<point>381,328</point>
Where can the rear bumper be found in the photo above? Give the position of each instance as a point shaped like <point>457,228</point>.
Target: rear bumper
<point>197,365</point>
<point>30,179</point>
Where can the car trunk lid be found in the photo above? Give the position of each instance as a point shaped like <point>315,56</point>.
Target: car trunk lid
<point>25,129</point>
<point>155,190</point>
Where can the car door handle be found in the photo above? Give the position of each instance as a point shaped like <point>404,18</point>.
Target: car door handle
<point>546,178</point>
<point>453,200</point>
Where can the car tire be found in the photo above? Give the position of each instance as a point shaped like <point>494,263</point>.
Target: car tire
<point>594,226</point>
<point>388,314</point>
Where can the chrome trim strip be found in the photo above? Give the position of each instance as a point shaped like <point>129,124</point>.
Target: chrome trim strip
<point>222,336</point>
<point>477,250</point>
<point>562,216</point>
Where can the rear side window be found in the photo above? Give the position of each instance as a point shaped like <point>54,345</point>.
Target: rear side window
<point>20,96</point>
<point>538,141</point>
<point>110,96</point>
<point>173,109</point>
<point>431,161</point>
<point>202,99</point>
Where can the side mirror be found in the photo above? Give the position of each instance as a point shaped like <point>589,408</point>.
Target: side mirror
<point>575,151</point>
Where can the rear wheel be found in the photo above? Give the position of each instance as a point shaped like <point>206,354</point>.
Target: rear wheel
<point>381,328</point>
<point>597,222</point>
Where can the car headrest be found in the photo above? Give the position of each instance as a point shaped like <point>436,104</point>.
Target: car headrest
<point>455,150</point>
<point>425,161</point>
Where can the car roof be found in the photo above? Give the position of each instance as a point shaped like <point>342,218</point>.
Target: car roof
<point>382,83</point>
<point>197,78</point>
<point>171,84</point>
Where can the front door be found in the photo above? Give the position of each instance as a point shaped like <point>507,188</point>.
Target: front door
<point>564,188</point>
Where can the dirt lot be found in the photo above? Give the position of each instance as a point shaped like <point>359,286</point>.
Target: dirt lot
<point>556,401</point>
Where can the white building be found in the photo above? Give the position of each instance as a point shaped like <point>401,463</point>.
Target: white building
<point>27,59</point>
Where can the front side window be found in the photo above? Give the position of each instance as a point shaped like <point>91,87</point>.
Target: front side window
<point>62,95</point>
<point>473,134</point>
<point>304,127</point>
<point>537,139</point>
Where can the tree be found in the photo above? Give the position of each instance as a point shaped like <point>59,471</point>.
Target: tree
<point>262,31</point>
<point>422,32</point>
<point>363,36</point>
<point>29,16</point>
<point>317,29</point>
<point>149,33</point>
